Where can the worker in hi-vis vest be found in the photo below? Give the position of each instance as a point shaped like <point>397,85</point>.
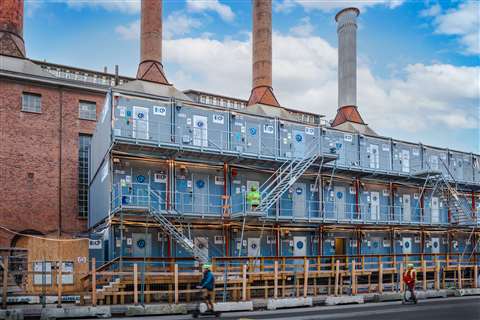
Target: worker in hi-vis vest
<point>410,277</point>
<point>253,198</point>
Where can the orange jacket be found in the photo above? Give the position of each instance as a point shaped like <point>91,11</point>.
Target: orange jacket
<point>410,276</point>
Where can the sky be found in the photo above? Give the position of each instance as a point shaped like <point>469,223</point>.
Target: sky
<point>418,60</point>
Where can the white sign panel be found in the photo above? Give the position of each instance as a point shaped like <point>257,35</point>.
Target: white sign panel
<point>160,110</point>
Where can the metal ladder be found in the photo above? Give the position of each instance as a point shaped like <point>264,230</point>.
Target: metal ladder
<point>272,189</point>
<point>177,234</point>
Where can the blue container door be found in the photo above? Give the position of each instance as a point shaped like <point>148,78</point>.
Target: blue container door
<point>298,143</point>
<point>200,193</point>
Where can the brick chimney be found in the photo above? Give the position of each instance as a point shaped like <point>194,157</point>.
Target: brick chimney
<point>347,67</point>
<point>262,91</point>
<point>150,67</point>
<point>11,28</point>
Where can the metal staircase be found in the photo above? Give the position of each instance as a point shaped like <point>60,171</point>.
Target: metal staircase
<point>462,212</point>
<point>272,189</point>
<point>176,233</point>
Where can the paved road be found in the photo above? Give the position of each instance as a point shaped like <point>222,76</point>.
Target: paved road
<point>464,308</point>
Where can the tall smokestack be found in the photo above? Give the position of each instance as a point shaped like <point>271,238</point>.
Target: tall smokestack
<point>150,67</point>
<point>11,28</point>
<point>347,67</point>
<point>262,91</point>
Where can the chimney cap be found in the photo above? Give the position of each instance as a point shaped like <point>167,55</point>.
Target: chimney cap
<point>356,10</point>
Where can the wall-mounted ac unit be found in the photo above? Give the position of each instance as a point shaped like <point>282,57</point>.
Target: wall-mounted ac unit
<point>219,240</point>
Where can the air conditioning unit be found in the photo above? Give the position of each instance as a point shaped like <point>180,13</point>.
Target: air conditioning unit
<point>95,244</point>
<point>219,240</point>
<point>416,239</point>
<point>271,240</point>
<point>353,243</point>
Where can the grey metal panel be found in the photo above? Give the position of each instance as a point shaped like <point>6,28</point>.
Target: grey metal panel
<point>201,127</point>
<point>406,157</point>
<point>295,138</point>
<point>434,159</point>
<point>99,195</point>
<point>253,135</point>
<point>476,168</point>
<point>344,144</point>
<point>456,164</point>
<point>101,139</point>
<point>467,167</point>
<point>375,153</point>
<point>152,124</point>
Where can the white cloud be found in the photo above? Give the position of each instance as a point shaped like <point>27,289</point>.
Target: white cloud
<point>432,11</point>
<point>329,5</point>
<point>464,22</point>
<point>304,28</point>
<point>224,11</point>
<point>124,6</point>
<point>179,24</point>
<point>176,24</point>
<point>130,31</point>
<point>420,99</point>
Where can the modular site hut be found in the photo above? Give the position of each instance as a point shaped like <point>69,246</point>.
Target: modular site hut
<point>169,179</point>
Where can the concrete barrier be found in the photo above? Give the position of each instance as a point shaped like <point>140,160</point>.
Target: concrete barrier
<point>274,304</point>
<point>334,300</point>
<point>75,313</point>
<point>156,309</point>
<point>427,294</point>
<point>229,306</point>
<point>467,292</point>
<point>12,314</point>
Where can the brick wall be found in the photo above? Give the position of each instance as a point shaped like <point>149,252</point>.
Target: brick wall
<point>39,159</point>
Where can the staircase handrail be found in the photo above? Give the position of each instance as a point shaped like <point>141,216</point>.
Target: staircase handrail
<point>288,166</point>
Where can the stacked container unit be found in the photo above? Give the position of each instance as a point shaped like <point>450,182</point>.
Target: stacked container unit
<point>297,140</point>
<point>138,242</point>
<point>253,135</point>
<point>210,242</point>
<point>476,168</point>
<point>298,244</point>
<point>199,190</point>
<point>253,243</point>
<point>140,183</point>
<point>301,200</point>
<point>435,159</point>
<point>375,153</point>
<point>201,127</point>
<point>406,206</point>
<point>407,158</point>
<point>140,119</point>
<point>242,183</point>
<point>435,209</point>
<point>100,184</point>
<point>340,202</point>
<point>374,203</point>
<point>375,243</point>
<point>456,164</point>
<point>408,243</point>
<point>343,144</point>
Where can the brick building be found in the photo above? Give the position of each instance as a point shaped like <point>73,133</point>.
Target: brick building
<point>47,116</point>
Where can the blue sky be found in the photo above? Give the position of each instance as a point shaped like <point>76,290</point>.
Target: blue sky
<point>418,74</point>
